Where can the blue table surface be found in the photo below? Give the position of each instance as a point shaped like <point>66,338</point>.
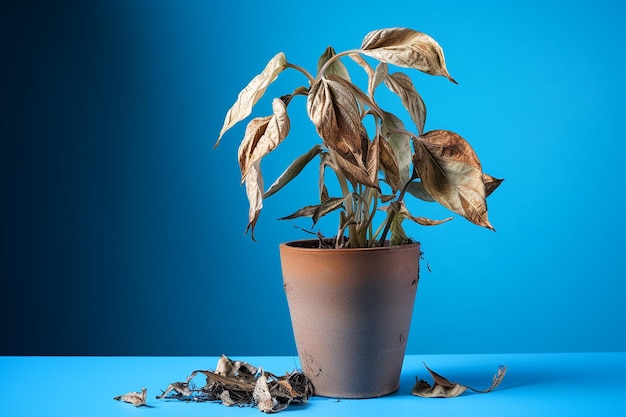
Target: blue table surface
<point>571,384</point>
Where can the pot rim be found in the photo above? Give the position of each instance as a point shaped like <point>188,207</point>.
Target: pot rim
<point>301,245</point>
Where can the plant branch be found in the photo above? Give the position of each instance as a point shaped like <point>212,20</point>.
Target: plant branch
<point>333,59</point>
<point>303,71</point>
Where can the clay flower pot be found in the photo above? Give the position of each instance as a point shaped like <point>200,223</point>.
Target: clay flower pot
<point>351,312</point>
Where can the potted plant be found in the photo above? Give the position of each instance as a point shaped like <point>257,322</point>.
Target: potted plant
<point>351,295</point>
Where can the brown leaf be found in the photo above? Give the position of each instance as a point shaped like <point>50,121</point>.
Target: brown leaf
<point>406,48</point>
<point>389,165</point>
<point>252,93</point>
<point>416,189</point>
<point>263,135</point>
<point>451,173</point>
<point>254,191</point>
<point>401,85</point>
<point>336,67</point>
<point>135,398</point>
<point>400,142</point>
<point>318,211</point>
<point>491,184</point>
<point>443,388</point>
<point>334,111</point>
<point>293,170</point>
<point>373,161</point>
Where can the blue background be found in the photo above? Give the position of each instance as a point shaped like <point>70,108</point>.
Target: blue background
<point>122,229</point>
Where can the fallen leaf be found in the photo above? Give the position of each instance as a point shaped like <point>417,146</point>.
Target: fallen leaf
<point>135,398</point>
<point>443,388</point>
<point>240,383</point>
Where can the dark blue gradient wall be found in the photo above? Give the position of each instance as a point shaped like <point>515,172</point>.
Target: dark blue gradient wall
<point>122,229</point>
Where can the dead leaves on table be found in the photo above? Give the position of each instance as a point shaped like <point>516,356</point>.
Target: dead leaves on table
<point>135,398</point>
<point>239,383</point>
<point>442,388</point>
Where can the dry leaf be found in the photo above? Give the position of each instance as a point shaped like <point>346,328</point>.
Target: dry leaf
<point>135,398</point>
<point>334,111</point>
<point>263,135</point>
<point>402,86</point>
<point>400,142</point>
<point>254,191</point>
<point>451,173</point>
<point>336,67</point>
<point>239,383</point>
<point>293,170</point>
<point>252,93</point>
<point>491,184</point>
<point>406,48</point>
<point>443,388</point>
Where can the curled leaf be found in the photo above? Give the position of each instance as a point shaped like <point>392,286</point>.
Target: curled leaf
<point>400,142</point>
<point>318,211</point>
<point>336,67</point>
<point>252,93</point>
<point>389,165</point>
<point>443,388</point>
<point>293,170</point>
<point>416,189</point>
<point>135,398</point>
<point>491,184</point>
<point>402,86</point>
<point>263,135</point>
<point>406,48</point>
<point>451,173</point>
<point>254,191</point>
<point>334,111</point>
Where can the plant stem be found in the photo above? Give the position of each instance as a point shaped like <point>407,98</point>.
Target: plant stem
<point>392,214</point>
<point>303,71</point>
<point>345,190</point>
<point>333,59</point>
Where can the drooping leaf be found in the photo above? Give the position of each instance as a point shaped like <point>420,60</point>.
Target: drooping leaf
<point>389,165</point>
<point>443,388</point>
<point>416,189</point>
<point>406,48</point>
<point>491,184</point>
<point>451,173</point>
<point>254,191</point>
<point>293,170</point>
<point>252,93</point>
<point>373,161</point>
<point>263,136</point>
<point>380,74</point>
<point>400,143</point>
<point>402,86</point>
<point>318,211</point>
<point>336,67</point>
<point>394,212</point>
<point>402,213</point>
<point>334,111</point>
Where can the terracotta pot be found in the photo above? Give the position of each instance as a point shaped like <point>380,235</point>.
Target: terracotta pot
<point>351,312</point>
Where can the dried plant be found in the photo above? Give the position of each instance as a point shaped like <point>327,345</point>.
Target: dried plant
<point>433,166</point>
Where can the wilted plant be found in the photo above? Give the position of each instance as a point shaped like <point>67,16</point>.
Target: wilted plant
<point>433,166</point>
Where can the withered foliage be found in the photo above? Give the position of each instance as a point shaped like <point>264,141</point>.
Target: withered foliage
<point>241,384</point>
<point>376,165</point>
<point>135,398</point>
<point>442,388</point>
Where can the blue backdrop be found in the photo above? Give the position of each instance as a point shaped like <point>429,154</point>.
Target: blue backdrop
<point>122,229</point>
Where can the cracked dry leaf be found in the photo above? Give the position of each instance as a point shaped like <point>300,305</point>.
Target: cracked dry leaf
<point>241,384</point>
<point>443,388</point>
<point>135,398</point>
